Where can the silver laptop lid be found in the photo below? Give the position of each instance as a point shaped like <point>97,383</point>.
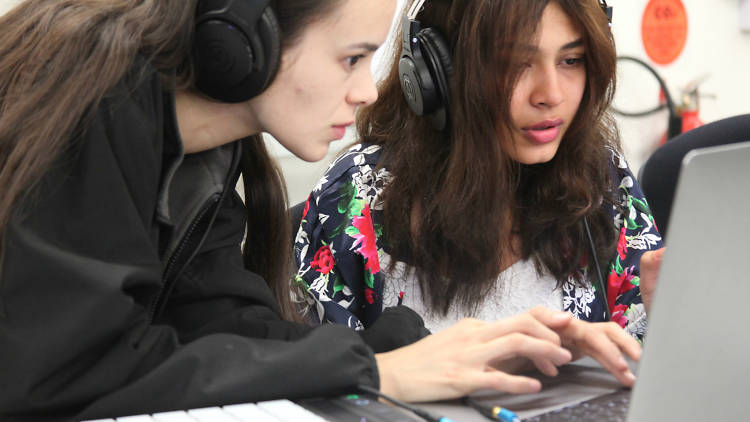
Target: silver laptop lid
<point>696,358</point>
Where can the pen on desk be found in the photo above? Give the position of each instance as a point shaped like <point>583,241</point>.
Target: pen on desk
<point>496,413</point>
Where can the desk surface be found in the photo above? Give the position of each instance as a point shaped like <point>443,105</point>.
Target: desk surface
<point>577,382</point>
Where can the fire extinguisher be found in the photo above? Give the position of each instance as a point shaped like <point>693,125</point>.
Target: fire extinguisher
<point>688,110</point>
<point>675,120</point>
<point>682,117</point>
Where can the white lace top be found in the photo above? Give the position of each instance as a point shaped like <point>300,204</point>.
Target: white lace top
<point>517,290</point>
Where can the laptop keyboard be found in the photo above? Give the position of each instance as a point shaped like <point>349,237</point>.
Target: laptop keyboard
<point>609,407</point>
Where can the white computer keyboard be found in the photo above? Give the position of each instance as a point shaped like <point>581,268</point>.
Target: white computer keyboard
<point>267,411</point>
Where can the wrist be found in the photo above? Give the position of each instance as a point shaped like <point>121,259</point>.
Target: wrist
<point>388,376</point>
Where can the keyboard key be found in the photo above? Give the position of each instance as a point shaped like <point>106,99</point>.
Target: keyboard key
<point>286,410</point>
<point>136,418</point>
<point>609,407</point>
<point>176,416</point>
<point>211,414</point>
<point>249,412</point>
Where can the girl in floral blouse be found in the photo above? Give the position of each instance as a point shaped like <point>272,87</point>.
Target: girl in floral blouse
<point>508,204</point>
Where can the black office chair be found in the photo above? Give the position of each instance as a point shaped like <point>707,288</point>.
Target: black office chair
<point>658,176</point>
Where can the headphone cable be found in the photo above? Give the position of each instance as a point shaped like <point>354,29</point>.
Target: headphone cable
<point>599,277</point>
<point>419,412</point>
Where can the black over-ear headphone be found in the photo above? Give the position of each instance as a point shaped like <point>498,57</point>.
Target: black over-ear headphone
<point>425,68</point>
<point>237,48</point>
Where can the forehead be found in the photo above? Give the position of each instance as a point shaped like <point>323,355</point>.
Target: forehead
<point>556,28</point>
<point>357,21</point>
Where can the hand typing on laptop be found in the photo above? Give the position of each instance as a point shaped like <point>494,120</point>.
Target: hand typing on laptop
<point>543,337</point>
<point>606,342</point>
<point>463,354</point>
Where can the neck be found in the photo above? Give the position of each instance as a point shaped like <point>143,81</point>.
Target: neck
<point>205,124</point>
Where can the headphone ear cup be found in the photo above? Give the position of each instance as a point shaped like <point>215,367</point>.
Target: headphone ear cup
<point>269,38</point>
<point>423,70</point>
<point>438,57</point>
<point>234,63</point>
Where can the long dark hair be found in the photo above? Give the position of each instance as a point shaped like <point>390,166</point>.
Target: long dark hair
<point>60,58</point>
<point>268,249</point>
<point>457,198</point>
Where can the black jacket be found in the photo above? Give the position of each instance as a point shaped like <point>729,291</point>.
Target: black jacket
<point>123,289</point>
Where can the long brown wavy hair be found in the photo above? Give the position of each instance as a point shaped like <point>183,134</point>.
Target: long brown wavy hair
<point>60,58</point>
<point>457,198</point>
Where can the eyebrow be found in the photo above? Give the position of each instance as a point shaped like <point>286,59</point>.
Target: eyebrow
<point>364,46</point>
<point>574,44</point>
<point>569,46</point>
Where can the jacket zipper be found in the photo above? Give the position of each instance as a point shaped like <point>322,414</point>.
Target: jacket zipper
<point>158,304</point>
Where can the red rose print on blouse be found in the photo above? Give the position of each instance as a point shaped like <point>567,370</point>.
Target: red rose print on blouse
<point>307,208</point>
<point>367,239</point>
<point>622,244</point>
<point>369,296</point>
<point>323,261</point>
<point>619,284</point>
<point>618,315</point>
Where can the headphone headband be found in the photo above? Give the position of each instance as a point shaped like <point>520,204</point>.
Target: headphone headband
<point>607,10</point>
<point>414,9</point>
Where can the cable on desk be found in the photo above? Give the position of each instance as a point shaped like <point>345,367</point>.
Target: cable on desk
<point>419,412</point>
<point>496,413</point>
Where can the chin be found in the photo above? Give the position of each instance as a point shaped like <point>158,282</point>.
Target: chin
<point>312,155</point>
<point>530,154</point>
<point>531,159</point>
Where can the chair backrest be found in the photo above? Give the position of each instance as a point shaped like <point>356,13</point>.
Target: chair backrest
<point>658,176</point>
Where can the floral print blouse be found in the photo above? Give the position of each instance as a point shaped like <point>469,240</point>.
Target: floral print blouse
<point>338,247</point>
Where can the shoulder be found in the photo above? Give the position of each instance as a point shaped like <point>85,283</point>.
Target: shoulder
<point>620,172</point>
<point>357,167</point>
<point>617,160</point>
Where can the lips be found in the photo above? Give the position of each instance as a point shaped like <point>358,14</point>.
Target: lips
<point>543,132</point>
<point>340,130</point>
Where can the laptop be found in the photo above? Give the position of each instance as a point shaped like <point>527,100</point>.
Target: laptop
<point>696,356</point>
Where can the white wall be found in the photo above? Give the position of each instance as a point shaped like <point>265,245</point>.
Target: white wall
<point>716,46</point>
<point>6,5</point>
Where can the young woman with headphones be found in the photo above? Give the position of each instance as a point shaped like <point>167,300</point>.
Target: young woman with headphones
<point>124,288</point>
<point>488,180</point>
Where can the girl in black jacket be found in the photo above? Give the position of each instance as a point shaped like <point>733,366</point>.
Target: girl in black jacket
<point>124,288</point>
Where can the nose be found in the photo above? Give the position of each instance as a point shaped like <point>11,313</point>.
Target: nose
<point>547,91</point>
<point>363,90</point>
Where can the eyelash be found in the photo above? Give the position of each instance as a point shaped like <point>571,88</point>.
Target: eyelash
<point>352,61</point>
<point>576,61</point>
<point>569,62</point>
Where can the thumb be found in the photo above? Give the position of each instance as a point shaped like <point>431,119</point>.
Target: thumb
<point>652,259</point>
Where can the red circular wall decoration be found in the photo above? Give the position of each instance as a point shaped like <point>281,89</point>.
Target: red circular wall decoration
<point>664,30</point>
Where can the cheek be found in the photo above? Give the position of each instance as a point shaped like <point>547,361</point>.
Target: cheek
<point>519,99</point>
<point>578,87</point>
<point>516,106</point>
